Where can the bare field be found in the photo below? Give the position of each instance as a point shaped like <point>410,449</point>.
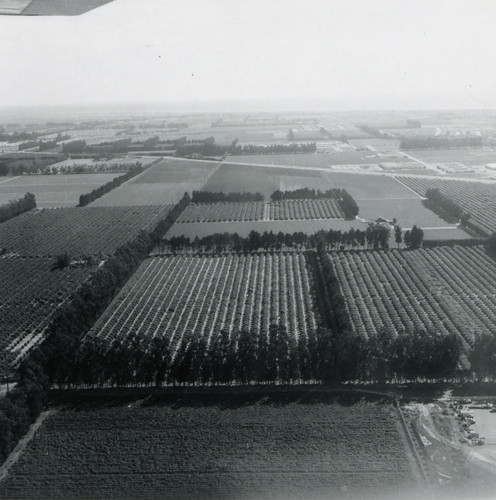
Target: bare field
<point>242,447</point>
<point>52,190</point>
<point>321,160</point>
<point>164,183</point>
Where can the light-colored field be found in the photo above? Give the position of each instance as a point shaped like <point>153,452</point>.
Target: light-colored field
<point>321,160</point>
<point>164,183</point>
<point>222,447</point>
<point>52,190</point>
<point>478,156</point>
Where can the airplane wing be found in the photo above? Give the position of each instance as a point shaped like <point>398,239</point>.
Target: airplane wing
<point>48,7</point>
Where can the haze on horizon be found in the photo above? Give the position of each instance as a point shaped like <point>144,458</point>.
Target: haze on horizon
<point>293,55</point>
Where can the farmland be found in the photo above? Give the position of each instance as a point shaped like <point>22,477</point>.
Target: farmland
<point>164,183</point>
<point>52,190</point>
<point>243,228</point>
<point>322,160</point>
<point>476,198</point>
<point>30,294</point>
<point>221,447</point>
<point>185,297</point>
<point>447,290</point>
<point>77,231</point>
<point>256,211</point>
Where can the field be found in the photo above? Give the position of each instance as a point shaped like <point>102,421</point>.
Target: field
<point>476,198</point>
<point>265,180</point>
<point>478,156</point>
<point>180,298</point>
<point>307,226</point>
<point>29,295</point>
<point>322,160</point>
<point>52,190</point>
<point>248,448</point>
<point>77,231</point>
<point>444,289</point>
<point>164,183</point>
<point>256,211</point>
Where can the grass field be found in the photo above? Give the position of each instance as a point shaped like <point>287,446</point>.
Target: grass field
<point>164,183</point>
<point>77,231</point>
<point>229,178</point>
<point>245,447</point>
<point>52,190</point>
<point>443,289</point>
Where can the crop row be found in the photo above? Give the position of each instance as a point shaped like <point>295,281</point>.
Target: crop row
<point>213,212</point>
<point>77,231</point>
<point>30,293</point>
<point>242,449</point>
<point>255,211</point>
<point>476,198</point>
<point>446,289</point>
<point>183,297</point>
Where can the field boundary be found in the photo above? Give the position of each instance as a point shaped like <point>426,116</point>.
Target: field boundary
<point>21,445</point>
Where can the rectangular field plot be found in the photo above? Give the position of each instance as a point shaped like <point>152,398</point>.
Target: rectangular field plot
<point>185,297</point>
<point>224,447</point>
<point>164,183</point>
<point>52,190</point>
<point>445,289</point>
<point>476,198</point>
<point>30,293</point>
<point>322,159</point>
<point>477,156</point>
<point>265,180</point>
<point>77,231</point>
<point>259,211</point>
<point>243,228</point>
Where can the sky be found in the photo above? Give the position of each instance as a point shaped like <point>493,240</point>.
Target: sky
<point>277,54</point>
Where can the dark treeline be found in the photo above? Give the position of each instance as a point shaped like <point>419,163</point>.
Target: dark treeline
<point>52,361</point>
<point>13,208</point>
<point>374,132</point>
<point>441,142</point>
<point>306,193</point>
<point>18,136</point>
<point>439,202</point>
<point>272,149</point>
<point>208,147</point>
<point>86,199</point>
<point>220,197</point>
<point>348,204</point>
<point>376,236</point>
<point>414,237</point>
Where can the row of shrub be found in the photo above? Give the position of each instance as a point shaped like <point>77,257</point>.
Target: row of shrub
<point>86,199</point>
